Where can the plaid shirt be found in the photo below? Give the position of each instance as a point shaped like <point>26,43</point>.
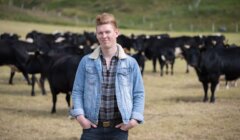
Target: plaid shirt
<point>109,109</point>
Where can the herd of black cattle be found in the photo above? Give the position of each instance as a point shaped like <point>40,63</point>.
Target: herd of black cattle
<point>56,57</point>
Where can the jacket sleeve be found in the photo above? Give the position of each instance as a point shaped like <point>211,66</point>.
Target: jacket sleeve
<point>138,94</point>
<point>78,90</point>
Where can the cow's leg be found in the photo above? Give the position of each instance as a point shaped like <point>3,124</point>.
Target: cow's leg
<point>12,74</point>
<point>54,100</point>
<point>23,70</point>
<point>143,66</point>
<point>166,68</point>
<point>161,69</point>
<point>27,78</point>
<point>213,87</point>
<point>68,95</point>
<point>172,66</point>
<point>33,85</point>
<point>161,63</point>
<point>187,68</point>
<point>154,60</point>
<point>11,77</point>
<point>42,79</point>
<point>205,88</point>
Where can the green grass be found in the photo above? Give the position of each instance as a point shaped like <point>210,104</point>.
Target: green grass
<point>173,105</point>
<point>137,14</point>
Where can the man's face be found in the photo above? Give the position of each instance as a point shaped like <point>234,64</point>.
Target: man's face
<point>107,35</point>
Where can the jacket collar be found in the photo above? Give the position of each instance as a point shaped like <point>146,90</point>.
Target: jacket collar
<point>96,53</point>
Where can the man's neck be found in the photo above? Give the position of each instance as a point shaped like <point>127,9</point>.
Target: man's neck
<point>109,52</point>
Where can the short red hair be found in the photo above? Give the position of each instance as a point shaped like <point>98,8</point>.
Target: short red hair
<point>106,18</point>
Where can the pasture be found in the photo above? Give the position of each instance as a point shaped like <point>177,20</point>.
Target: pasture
<point>173,105</point>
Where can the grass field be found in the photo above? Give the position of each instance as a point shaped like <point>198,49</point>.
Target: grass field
<point>169,15</point>
<point>173,110</point>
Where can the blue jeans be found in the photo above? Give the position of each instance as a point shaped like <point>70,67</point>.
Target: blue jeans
<point>101,133</point>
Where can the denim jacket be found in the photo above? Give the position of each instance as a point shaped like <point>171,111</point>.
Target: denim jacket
<point>86,93</point>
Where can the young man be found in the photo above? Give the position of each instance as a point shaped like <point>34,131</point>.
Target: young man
<point>108,92</point>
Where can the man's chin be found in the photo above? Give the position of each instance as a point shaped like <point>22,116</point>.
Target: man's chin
<point>106,46</point>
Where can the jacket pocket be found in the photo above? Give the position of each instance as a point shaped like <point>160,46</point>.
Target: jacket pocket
<point>124,76</point>
<point>91,75</point>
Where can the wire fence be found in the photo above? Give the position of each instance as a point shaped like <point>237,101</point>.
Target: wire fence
<point>146,24</point>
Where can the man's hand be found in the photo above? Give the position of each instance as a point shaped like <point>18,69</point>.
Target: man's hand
<point>84,122</point>
<point>125,127</point>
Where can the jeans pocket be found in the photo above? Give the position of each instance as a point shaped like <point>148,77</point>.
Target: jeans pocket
<point>87,129</point>
<point>122,130</point>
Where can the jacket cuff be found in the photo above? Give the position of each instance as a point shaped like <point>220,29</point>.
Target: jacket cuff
<point>138,116</point>
<point>76,112</point>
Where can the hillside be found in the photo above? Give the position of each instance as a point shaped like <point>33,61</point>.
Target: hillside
<point>165,15</point>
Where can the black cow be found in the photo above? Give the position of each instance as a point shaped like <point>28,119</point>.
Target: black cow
<point>155,47</point>
<point>140,58</point>
<point>213,40</point>
<point>187,42</point>
<point>71,43</point>
<point>211,63</point>
<point>126,42</point>
<point>44,41</point>
<point>59,69</point>
<point>91,38</point>
<point>162,49</point>
<point>61,77</point>
<point>11,37</point>
<point>15,53</point>
<point>8,36</point>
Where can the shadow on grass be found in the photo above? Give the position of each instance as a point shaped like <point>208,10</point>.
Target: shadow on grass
<point>151,73</point>
<point>33,113</point>
<point>186,99</point>
<point>15,91</point>
<point>16,81</point>
<point>191,86</point>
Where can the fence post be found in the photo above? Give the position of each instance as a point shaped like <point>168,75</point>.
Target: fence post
<point>89,21</point>
<point>59,14</point>
<point>132,23</point>
<point>213,27</point>
<point>10,3</point>
<point>191,27</point>
<point>76,20</point>
<point>170,26</point>
<point>151,25</point>
<point>143,19</point>
<point>22,6</point>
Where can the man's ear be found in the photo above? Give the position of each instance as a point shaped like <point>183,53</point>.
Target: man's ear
<point>117,32</point>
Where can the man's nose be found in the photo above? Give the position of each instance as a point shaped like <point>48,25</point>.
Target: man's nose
<point>104,35</point>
